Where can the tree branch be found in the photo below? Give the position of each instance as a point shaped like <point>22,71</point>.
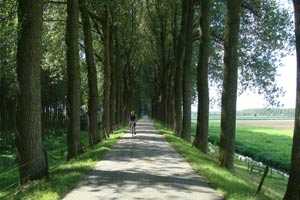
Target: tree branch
<point>56,2</point>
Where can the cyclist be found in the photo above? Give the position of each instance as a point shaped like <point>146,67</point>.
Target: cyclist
<point>132,121</point>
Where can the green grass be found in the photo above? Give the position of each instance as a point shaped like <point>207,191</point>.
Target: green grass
<point>234,186</point>
<point>254,118</point>
<point>63,175</point>
<point>270,146</point>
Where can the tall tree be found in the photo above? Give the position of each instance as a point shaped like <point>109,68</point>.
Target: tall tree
<point>201,138</point>
<point>293,187</point>
<point>107,70</point>
<point>94,137</point>
<point>179,57</point>
<point>229,89</point>
<point>30,155</point>
<point>187,69</point>
<point>113,78</point>
<point>73,97</point>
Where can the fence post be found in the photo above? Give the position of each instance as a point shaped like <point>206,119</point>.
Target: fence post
<point>47,164</point>
<point>105,134</point>
<point>76,150</point>
<point>248,165</point>
<point>262,179</point>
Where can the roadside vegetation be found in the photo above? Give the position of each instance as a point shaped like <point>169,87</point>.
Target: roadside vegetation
<point>242,184</point>
<point>267,145</point>
<point>63,175</point>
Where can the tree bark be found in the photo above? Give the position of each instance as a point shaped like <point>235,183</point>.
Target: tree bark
<point>172,95</point>
<point>73,69</point>
<point>164,69</point>
<point>119,79</point>
<point>107,72</point>
<point>178,75</point>
<point>187,71</point>
<point>113,77</point>
<point>293,187</point>
<point>30,154</point>
<point>229,90</point>
<point>201,139</point>
<point>93,101</point>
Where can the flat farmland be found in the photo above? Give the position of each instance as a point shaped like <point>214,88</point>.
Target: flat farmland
<point>268,141</point>
<point>276,124</point>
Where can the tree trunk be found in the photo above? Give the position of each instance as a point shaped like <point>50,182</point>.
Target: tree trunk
<point>178,75</point>
<point>201,138</point>
<point>93,102</point>
<point>173,67</point>
<point>293,187</point>
<point>164,69</point>
<point>229,90</point>
<point>113,87</point>
<point>119,80</point>
<point>30,154</point>
<point>187,71</point>
<point>107,73</point>
<point>73,69</point>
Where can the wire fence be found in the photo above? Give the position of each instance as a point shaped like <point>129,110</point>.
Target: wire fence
<point>9,179</point>
<point>53,158</point>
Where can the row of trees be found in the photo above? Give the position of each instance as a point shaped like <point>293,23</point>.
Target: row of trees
<point>150,56</point>
<point>288,112</point>
<point>256,35</point>
<point>56,58</point>
<point>193,45</point>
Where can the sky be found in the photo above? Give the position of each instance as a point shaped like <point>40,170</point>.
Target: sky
<point>286,80</point>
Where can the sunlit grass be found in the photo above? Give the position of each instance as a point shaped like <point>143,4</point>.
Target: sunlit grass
<point>234,186</point>
<point>270,146</point>
<point>63,177</point>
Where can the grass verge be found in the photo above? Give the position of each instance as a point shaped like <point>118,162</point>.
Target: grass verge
<point>64,176</point>
<point>233,186</point>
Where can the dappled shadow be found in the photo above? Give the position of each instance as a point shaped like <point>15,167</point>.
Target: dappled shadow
<point>143,167</point>
<point>117,179</point>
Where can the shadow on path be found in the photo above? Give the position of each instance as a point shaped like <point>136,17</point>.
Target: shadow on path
<point>143,167</point>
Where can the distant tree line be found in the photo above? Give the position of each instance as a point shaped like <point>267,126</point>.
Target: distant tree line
<point>287,112</point>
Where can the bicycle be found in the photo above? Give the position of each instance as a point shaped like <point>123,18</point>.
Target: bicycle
<point>132,128</point>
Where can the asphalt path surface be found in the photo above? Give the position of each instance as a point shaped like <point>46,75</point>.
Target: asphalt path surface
<point>145,166</point>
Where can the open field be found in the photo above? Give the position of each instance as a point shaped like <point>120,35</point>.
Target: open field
<point>276,124</point>
<point>271,146</point>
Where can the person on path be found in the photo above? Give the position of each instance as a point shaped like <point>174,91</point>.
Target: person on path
<point>132,122</point>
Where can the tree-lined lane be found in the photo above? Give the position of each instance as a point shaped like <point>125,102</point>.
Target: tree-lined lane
<point>143,167</point>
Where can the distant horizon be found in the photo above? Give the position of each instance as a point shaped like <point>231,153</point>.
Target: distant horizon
<point>195,111</point>
<point>286,79</point>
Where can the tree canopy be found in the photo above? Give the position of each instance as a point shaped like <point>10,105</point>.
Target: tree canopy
<point>92,62</point>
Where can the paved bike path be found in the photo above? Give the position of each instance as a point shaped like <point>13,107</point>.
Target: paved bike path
<point>143,167</point>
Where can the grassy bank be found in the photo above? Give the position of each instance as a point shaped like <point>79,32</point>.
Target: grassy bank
<point>270,146</point>
<point>63,175</point>
<point>234,186</point>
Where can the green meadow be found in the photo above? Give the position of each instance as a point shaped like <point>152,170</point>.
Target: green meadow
<point>267,145</point>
